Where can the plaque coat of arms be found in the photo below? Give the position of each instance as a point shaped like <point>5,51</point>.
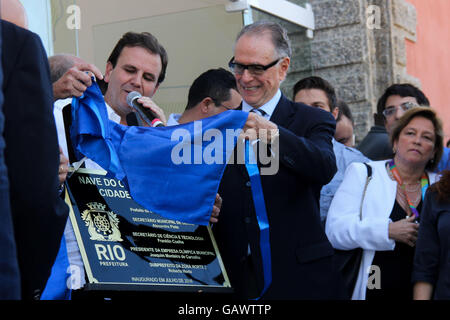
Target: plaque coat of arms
<point>102,225</point>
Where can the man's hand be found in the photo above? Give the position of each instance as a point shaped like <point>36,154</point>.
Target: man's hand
<point>75,81</point>
<point>216,209</point>
<point>258,127</point>
<point>150,104</point>
<point>63,167</point>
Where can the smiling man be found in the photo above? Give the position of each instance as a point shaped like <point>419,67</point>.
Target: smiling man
<point>301,256</point>
<point>138,62</point>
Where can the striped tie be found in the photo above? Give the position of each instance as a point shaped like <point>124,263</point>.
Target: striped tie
<point>259,111</point>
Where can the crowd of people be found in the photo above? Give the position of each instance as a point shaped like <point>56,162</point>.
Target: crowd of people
<point>319,200</point>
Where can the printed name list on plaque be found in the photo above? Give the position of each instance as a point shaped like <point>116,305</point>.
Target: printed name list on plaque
<point>127,247</point>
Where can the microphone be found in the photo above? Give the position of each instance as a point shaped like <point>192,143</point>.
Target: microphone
<point>148,115</point>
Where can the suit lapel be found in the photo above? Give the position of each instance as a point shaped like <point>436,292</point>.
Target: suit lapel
<point>282,115</point>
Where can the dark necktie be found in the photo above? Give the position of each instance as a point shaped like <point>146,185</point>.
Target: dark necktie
<point>259,111</point>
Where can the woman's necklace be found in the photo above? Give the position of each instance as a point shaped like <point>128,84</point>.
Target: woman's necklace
<point>408,199</point>
<point>413,195</point>
<point>412,187</point>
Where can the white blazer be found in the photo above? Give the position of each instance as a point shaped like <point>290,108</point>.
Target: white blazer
<point>343,226</point>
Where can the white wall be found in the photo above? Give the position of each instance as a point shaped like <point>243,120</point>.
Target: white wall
<point>39,21</point>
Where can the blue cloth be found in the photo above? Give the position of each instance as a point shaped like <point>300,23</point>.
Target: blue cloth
<point>344,157</point>
<point>92,132</point>
<point>261,215</point>
<point>57,284</point>
<point>9,269</point>
<point>444,164</point>
<point>172,171</point>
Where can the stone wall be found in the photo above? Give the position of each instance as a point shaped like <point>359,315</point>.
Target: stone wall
<point>359,51</point>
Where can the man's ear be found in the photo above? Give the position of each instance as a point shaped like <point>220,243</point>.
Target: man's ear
<point>205,104</point>
<point>335,113</point>
<point>284,67</point>
<point>109,69</point>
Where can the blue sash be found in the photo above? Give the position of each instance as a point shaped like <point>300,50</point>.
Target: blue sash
<point>261,215</point>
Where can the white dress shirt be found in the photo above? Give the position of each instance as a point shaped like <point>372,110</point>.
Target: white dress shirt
<point>73,252</point>
<point>268,107</point>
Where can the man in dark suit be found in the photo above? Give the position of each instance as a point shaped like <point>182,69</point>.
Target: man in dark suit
<point>9,269</point>
<point>301,255</point>
<point>31,155</point>
<point>376,145</point>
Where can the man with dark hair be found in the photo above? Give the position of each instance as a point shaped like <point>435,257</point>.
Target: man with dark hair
<point>394,102</point>
<point>396,99</point>
<point>316,87</point>
<point>138,62</point>
<point>319,93</point>
<point>301,255</point>
<point>213,92</point>
<point>144,40</point>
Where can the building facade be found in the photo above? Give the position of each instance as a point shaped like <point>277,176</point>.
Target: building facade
<point>360,46</point>
<point>364,46</point>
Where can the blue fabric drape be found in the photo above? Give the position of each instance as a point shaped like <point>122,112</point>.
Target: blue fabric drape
<point>173,171</point>
<point>57,286</point>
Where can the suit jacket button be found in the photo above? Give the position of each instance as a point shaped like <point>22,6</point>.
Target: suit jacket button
<point>247,220</point>
<point>248,184</point>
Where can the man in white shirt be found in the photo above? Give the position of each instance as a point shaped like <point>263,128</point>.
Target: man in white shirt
<point>137,63</point>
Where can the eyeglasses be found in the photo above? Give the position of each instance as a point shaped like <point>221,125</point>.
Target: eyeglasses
<point>390,111</point>
<point>254,69</point>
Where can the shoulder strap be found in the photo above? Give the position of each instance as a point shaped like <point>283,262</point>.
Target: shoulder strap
<point>369,177</point>
<point>369,170</point>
